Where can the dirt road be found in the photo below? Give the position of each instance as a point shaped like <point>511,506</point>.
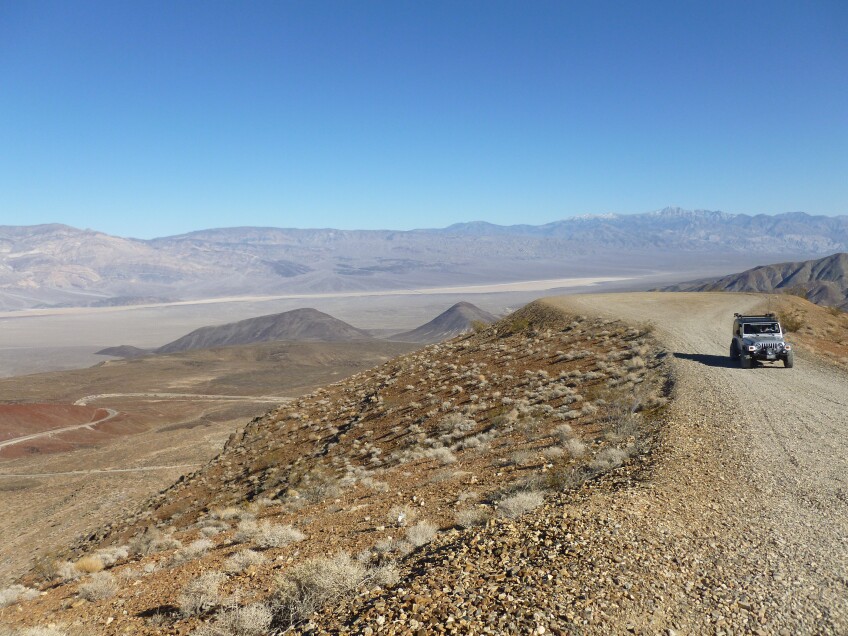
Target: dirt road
<point>747,514</point>
<point>184,396</point>
<point>110,413</point>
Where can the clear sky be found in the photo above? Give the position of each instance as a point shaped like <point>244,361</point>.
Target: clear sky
<point>153,118</point>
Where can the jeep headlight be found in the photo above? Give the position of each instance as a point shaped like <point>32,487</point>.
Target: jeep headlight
<point>752,347</point>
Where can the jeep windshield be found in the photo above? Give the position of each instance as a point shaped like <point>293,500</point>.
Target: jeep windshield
<point>761,329</point>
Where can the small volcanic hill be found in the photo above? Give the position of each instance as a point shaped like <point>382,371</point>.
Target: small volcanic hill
<point>304,325</point>
<point>456,321</point>
<point>123,351</point>
<point>823,281</point>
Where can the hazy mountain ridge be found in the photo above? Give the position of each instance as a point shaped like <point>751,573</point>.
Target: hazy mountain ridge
<point>823,281</point>
<point>60,265</point>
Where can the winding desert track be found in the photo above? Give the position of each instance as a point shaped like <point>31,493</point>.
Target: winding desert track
<point>110,413</point>
<point>752,481</point>
<point>183,396</point>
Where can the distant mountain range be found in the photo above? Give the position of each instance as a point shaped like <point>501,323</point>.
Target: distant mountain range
<point>823,281</point>
<point>49,265</point>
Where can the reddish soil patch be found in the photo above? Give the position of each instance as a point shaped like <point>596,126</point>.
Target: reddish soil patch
<point>19,420</point>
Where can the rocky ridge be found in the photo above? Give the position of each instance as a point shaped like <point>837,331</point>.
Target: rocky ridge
<point>377,466</point>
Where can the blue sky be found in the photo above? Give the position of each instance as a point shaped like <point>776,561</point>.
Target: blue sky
<point>153,118</point>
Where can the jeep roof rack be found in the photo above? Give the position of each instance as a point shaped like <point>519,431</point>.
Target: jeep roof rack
<point>768,316</point>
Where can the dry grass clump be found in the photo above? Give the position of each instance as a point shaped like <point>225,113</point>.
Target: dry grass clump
<point>16,593</point>
<point>201,594</point>
<point>421,533</point>
<point>442,455</point>
<point>36,631</point>
<point>110,556</point>
<point>313,583</point>
<point>151,541</point>
<point>242,560</point>
<point>67,571</point>
<point>608,459</point>
<point>471,517</point>
<point>575,448</point>
<point>519,503</point>
<point>192,551</point>
<point>231,513</point>
<point>267,535</point>
<point>252,620</point>
<point>89,564</point>
<point>98,586</point>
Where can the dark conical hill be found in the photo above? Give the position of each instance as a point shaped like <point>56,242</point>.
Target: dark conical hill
<point>307,324</point>
<point>453,322</point>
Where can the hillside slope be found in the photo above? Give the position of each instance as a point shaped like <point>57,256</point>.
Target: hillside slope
<point>455,321</point>
<point>823,281</point>
<point>726,515</point>
<point>381,463</point>
<point>304,325</point>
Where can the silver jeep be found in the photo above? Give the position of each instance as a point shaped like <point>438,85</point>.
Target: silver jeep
<point>759,338</point>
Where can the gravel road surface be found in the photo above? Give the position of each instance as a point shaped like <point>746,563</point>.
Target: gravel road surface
<point>753,481</point>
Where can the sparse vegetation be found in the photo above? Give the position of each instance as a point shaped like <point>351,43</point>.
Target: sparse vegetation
<point>99,585</point>
<point>252,620</point>
<point>242,560</point>
<point>16,593</point>
<point>470,517</point>
<point>519,503</point>
<point>265,534</point>
<point>421,533</point>
<point>202,594</point>
<point>791,322</point>
<point>308,586</point>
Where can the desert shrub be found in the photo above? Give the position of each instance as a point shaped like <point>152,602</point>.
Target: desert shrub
<point>521,457</point>
<point>421,533</point>
<point>442,455</point>
<point>553,452</point>
<point>267,535</point>
<point>308,586</point>
<point>384,575</point>
<point>242,560</point>
<point>231,513</point>
<point>16,593</point>
<point>192,551</point>
<point>609,458</point>
<point>252,620</point>
<point>151,541</point>
<point>575,448</point>
<point>201,594</point>
<point>791,322</point>
<point>478,326</point>
<point>89,564</point>
<point>402,515</point>
<point>67,571</point>
<point>42,631</point>
<point>470,517</point>
<point>110,556</point>
<point>519,503</point>
<point>98,586</point>
<point>564,432</point>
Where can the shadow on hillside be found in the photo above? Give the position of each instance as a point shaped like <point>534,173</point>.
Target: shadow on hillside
<point>709,360</point>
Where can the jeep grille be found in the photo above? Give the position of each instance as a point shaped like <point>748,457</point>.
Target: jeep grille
<point>770,345</point>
